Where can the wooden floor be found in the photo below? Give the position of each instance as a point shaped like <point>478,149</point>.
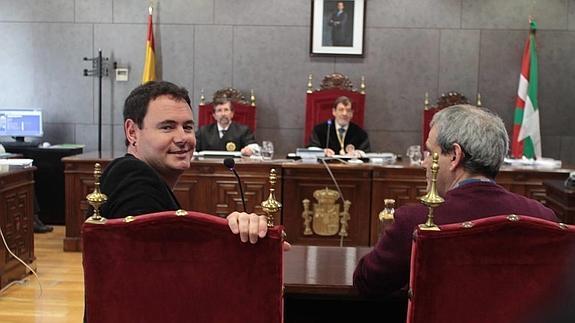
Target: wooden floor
<point>62,281</point>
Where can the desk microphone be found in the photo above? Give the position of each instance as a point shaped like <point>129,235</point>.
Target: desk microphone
<point>327,135</point>
<point>231,165</point>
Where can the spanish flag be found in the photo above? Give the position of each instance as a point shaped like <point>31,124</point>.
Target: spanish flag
<point>149,73</point>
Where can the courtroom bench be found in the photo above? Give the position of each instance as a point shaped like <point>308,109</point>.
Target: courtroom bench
<point>210,187</point>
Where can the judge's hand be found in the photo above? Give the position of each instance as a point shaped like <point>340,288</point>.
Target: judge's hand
<point>246,151</point>
<point>328,152</point>
<point>250,227</point>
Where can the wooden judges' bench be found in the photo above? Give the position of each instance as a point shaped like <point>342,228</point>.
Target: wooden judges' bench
<point>210,187</point>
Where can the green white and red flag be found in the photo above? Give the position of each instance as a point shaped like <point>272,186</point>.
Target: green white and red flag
<point>526,132</point>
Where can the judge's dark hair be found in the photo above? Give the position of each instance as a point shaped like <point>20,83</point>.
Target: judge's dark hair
<point>136,104</point>
<point>343,100</point>
<point>219,100</point>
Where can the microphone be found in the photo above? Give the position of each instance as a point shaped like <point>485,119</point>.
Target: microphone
<point>327,135</point>
<point>231,165</point>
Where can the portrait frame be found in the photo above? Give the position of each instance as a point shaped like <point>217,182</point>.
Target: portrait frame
<point>337,29</point>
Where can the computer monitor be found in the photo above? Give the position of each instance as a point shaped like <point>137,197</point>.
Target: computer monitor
<point>20,123</point>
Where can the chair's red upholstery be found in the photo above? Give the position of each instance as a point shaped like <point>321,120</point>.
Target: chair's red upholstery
<point>446,100</point>
<point>167,268</point>
<point>498,269</point>
<point>319,103</point>
<point>244,111</point>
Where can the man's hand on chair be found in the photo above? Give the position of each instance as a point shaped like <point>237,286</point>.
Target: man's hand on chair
<point>250,226</point>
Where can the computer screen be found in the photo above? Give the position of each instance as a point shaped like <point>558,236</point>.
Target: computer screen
<point>20,123</point>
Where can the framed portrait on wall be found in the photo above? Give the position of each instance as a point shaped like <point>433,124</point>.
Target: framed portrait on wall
<point>337,28</point>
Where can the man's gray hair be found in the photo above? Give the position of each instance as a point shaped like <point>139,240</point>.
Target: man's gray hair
<point>480,133</point>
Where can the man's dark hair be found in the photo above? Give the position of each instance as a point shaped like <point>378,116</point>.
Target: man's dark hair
<point>136,104</point>
<point>343,100</point>
<point>221,100</point>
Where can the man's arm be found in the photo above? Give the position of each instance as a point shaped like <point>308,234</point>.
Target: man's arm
<point>199,140</point>
<point>315,140</point>
<point>364,144</point>
<point>247,141</point>
<point>247,136</point>
<point>385,269</point>
<point>343,19</point>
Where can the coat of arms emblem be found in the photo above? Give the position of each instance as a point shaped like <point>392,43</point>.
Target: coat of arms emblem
<point>326,218</point>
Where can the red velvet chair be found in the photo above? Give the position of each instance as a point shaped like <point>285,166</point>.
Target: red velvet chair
<point>498,269</point>
<point>165,267</point>
<point>244,111</point>
<point>444,101</point>
<point>319,102</point>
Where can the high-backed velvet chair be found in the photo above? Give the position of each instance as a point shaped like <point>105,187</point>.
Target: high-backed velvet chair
<point>180,266</point>
<point>319,102</point>
<point>444,101</point>
<point>244,111</point>
<point>505,268</point>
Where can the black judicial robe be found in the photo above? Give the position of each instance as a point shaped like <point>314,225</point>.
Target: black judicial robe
<point>355,136</point>
<point>208,137</point>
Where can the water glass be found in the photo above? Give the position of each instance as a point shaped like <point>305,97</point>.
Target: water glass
<point>414,154</point>
<point>267,150</point>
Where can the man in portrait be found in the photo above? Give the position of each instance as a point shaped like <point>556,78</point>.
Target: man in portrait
<point>339,25</point>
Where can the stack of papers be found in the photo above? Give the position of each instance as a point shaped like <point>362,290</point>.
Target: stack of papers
<point>381,158</point>
<point>218,154</point>
<point>17,162</point>
<point>539,163</point>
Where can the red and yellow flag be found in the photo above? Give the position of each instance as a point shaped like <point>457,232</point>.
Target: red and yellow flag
<point>149,73</point>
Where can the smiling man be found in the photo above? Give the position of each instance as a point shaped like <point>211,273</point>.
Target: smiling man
<point>160,140</point>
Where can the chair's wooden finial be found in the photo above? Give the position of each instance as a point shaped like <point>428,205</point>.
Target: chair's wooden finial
<point>426,101</point>
<point>309,83</point>
<point>271,206</point>
<point>96,198</point>
<point>362,85</point>
<point>252,98</point>
<point>202,97</point>
<point>479,104</point>
<point>432,198</point>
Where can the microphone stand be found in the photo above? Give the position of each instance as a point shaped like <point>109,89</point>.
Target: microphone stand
<point>231,165</point>
<point>241,189</point>
<point>327,135</point>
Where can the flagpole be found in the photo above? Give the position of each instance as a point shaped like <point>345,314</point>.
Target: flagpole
<point>149,72</point>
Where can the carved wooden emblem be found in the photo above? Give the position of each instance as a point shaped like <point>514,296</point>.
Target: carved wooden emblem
<point>449,99</point>
<point>336,80</point>
<point>230,94</point>
<point>326,218</point>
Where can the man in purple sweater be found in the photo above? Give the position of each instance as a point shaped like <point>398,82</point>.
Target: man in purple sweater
<point>471,143</point>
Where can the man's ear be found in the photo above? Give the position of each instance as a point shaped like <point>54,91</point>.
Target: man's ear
<point>131,130</point>
<point>457,156</point>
